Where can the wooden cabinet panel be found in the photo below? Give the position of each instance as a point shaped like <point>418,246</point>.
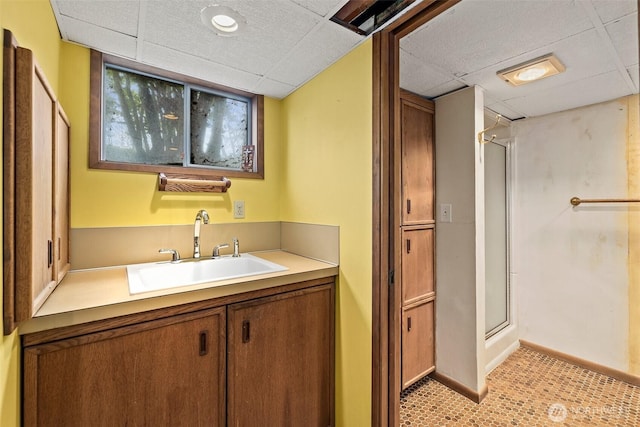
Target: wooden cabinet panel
<point>417,264</point>
<point>418,355</point>
<point>61,195</point>
<point>36,176</point>
<point>164,372</point>
<point>35,116</point>
<point>280,360</point>
<point>417,162</point>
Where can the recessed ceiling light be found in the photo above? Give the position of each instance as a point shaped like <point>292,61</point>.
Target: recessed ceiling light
<point>533,70</point>
<point>222,20</point>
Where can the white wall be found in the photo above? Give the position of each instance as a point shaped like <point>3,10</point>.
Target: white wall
<point>460,273</point>
<point>571,263</point>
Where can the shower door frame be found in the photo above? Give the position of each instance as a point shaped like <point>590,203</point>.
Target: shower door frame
<point>507,143</point>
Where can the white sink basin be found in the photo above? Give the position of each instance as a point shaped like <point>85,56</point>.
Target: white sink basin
<point>165,275</point>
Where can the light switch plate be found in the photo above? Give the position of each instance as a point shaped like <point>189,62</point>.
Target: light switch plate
<point>445,212</point>
<point>238,209</point>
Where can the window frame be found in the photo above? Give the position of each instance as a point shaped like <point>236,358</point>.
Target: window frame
<point>98,59</point>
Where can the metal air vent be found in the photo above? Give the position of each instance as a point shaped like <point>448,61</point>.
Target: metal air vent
<point>366,16</point>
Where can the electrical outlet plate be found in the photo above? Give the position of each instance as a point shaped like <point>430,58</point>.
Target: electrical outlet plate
<point>238,209</point>
<point>445,212</point>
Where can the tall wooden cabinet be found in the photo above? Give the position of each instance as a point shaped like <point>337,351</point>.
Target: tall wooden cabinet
<point>417,229</point>
<point>36,175</point>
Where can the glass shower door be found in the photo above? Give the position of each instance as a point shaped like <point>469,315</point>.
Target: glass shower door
<point>496,191</point>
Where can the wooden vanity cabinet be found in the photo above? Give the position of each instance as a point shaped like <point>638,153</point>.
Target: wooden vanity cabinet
<point>280,360</point>
<point>263,358</point>
<point>163,372</point>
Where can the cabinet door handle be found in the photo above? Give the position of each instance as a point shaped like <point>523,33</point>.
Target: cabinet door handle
<point>246,331</point>
<point>408,206</point>
<point>204,343</point>
<point>50,253</point>
<point>408,324</point>
<point>408,246</point>
<point>59,245</point>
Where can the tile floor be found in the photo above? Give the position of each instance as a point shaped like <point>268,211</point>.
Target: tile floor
<point>528,389</point>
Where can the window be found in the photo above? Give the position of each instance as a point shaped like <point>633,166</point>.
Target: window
<point>146,119</point>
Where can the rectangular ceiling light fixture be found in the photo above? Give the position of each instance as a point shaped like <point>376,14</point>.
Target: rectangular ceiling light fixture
<point>531,71</point>
<point>366,16</point>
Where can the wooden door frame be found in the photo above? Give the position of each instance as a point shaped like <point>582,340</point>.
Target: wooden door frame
<point>386,298</point>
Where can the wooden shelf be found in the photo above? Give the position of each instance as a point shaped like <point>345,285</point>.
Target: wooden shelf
<point>190,184</point>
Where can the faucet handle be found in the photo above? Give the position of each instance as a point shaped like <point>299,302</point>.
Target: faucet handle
<point>175,255</point>
<point>216,249</point>
<point>236,247</point>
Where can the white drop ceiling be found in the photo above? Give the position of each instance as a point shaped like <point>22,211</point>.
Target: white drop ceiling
<point>596,40</point>
<point>288,42</point>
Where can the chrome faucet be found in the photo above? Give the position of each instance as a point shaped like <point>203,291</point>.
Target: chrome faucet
<point>201,216</point>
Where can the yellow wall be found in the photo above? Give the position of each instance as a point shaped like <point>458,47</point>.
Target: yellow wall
<point>327,179</point>
<point>111,198</point>
<point>40,34</point>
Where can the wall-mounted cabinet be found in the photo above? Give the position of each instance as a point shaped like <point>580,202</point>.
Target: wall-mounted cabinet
<point>36,186</point>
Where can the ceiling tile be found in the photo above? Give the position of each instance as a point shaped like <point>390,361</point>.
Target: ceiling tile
<point>314,53</point>
<point>419,77</point>
<point>99,38</point>
<point>503,110</point>
<point>119,16</point>
<point>273,88</point>
<point>183,63</point>
<point>592,90</point>
<point>610,10</point>
<point>624,36</point>
<point>476,34</point>
<point>321,7</point>
<point>269,34</point>
<point>443,89</point>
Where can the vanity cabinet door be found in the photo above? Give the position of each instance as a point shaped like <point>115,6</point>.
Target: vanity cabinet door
<point>167,372</point>
<point>418,352</point>
<point>280,360</point>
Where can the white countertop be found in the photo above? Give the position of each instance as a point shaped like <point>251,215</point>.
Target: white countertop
<point>96,294</point>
